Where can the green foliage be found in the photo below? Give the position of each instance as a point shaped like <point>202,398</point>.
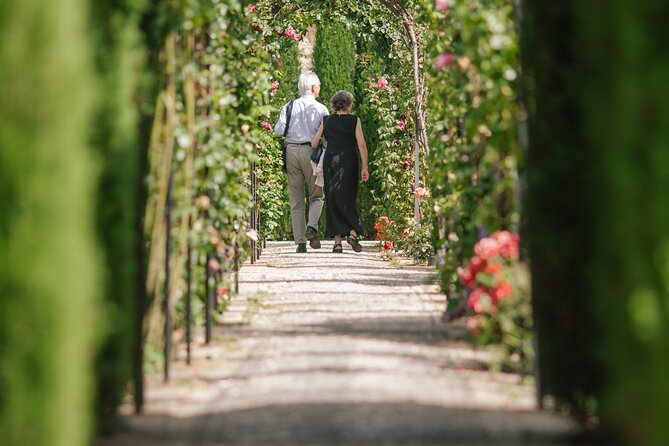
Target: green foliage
<point>276,223</point>
<point>416,241</point>
<point>394,195</point>
<point>288,72</point>
<point>370,65</point>
<point>473,120</point>
<point>49,268</point>
<point>334,59</point>
<point>206,138</point>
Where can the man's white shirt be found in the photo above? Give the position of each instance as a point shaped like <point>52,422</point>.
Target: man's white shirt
<point>304,121</point>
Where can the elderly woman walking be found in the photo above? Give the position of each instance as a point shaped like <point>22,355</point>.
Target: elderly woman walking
<point>343,133</point>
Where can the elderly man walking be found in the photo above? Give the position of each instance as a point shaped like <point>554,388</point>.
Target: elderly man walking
<point>305,118</point>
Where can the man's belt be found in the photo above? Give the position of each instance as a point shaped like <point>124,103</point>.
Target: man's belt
<point>308,143</point>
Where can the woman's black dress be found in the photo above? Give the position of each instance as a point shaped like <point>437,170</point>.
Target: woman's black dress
<point>340,171</point>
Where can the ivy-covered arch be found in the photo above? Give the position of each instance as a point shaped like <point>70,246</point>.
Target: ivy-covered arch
<point>400,18</point>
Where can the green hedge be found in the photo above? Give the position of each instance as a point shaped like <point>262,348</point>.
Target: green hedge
<point>275,220</point>
<point>120,62</point>
<point>49,267</point>
<point>597,209</point>
<point>369,66</point>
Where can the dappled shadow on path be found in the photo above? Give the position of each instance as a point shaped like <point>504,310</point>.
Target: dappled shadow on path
<point>344,350</point>
<point>417,329</point>
<point>404,423</point>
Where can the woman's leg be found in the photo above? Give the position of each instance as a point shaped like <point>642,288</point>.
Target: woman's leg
<point>352,240</point>
<point>337,244</point>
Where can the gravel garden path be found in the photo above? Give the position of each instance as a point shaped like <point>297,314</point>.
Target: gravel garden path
<point>338,349</point>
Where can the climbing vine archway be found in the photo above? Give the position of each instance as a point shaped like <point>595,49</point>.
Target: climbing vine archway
<point>406,22</point>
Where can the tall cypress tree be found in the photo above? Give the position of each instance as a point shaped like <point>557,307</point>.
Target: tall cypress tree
<point>334,59</point>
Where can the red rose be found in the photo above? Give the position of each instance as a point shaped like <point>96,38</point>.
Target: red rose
<point>476,264</point>
<point>492,268</point>
<point>467,277</point>
<point>503,291</point>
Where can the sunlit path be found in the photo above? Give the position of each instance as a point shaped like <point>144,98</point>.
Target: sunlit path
<point>338,349</point>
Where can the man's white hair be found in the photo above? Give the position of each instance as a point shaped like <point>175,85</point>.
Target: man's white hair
<point>307,80</point>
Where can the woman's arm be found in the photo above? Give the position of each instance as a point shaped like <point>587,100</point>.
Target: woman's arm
<point>362,146</point>
<point>317,139</point>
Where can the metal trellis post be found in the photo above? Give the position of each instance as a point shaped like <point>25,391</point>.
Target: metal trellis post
<point>189,303</point>
<point>167,351</point>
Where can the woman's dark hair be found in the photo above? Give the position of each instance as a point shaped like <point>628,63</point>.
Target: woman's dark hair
<point>341,100</point>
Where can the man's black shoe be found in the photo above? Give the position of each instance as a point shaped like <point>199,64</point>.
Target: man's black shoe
<point>312,236</point>
<point>301,247</point>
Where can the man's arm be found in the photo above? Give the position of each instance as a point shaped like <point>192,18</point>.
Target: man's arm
<point>281,123</point>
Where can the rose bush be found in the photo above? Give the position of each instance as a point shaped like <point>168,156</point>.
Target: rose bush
<point>498,299</point>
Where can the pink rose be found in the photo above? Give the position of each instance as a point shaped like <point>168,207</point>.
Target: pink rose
<point>289,32</point>
<point>509,244</point>
<point>441,5</point>
<point>474,325</point>
<point>214,265</point>
<point>382,83</point>
<point>442,61</point>
<point>487,248</point>
<point>422,192</point>
<point>297,36</point>
<point>474,300</point>
<point>252,8</point>
<point>401,125</point>
<point>266,125</point>
<point>275,85</point>
<point>279,63</point>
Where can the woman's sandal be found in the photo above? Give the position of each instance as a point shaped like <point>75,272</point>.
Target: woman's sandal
<point>353,241</point>
<point>338,248</point>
